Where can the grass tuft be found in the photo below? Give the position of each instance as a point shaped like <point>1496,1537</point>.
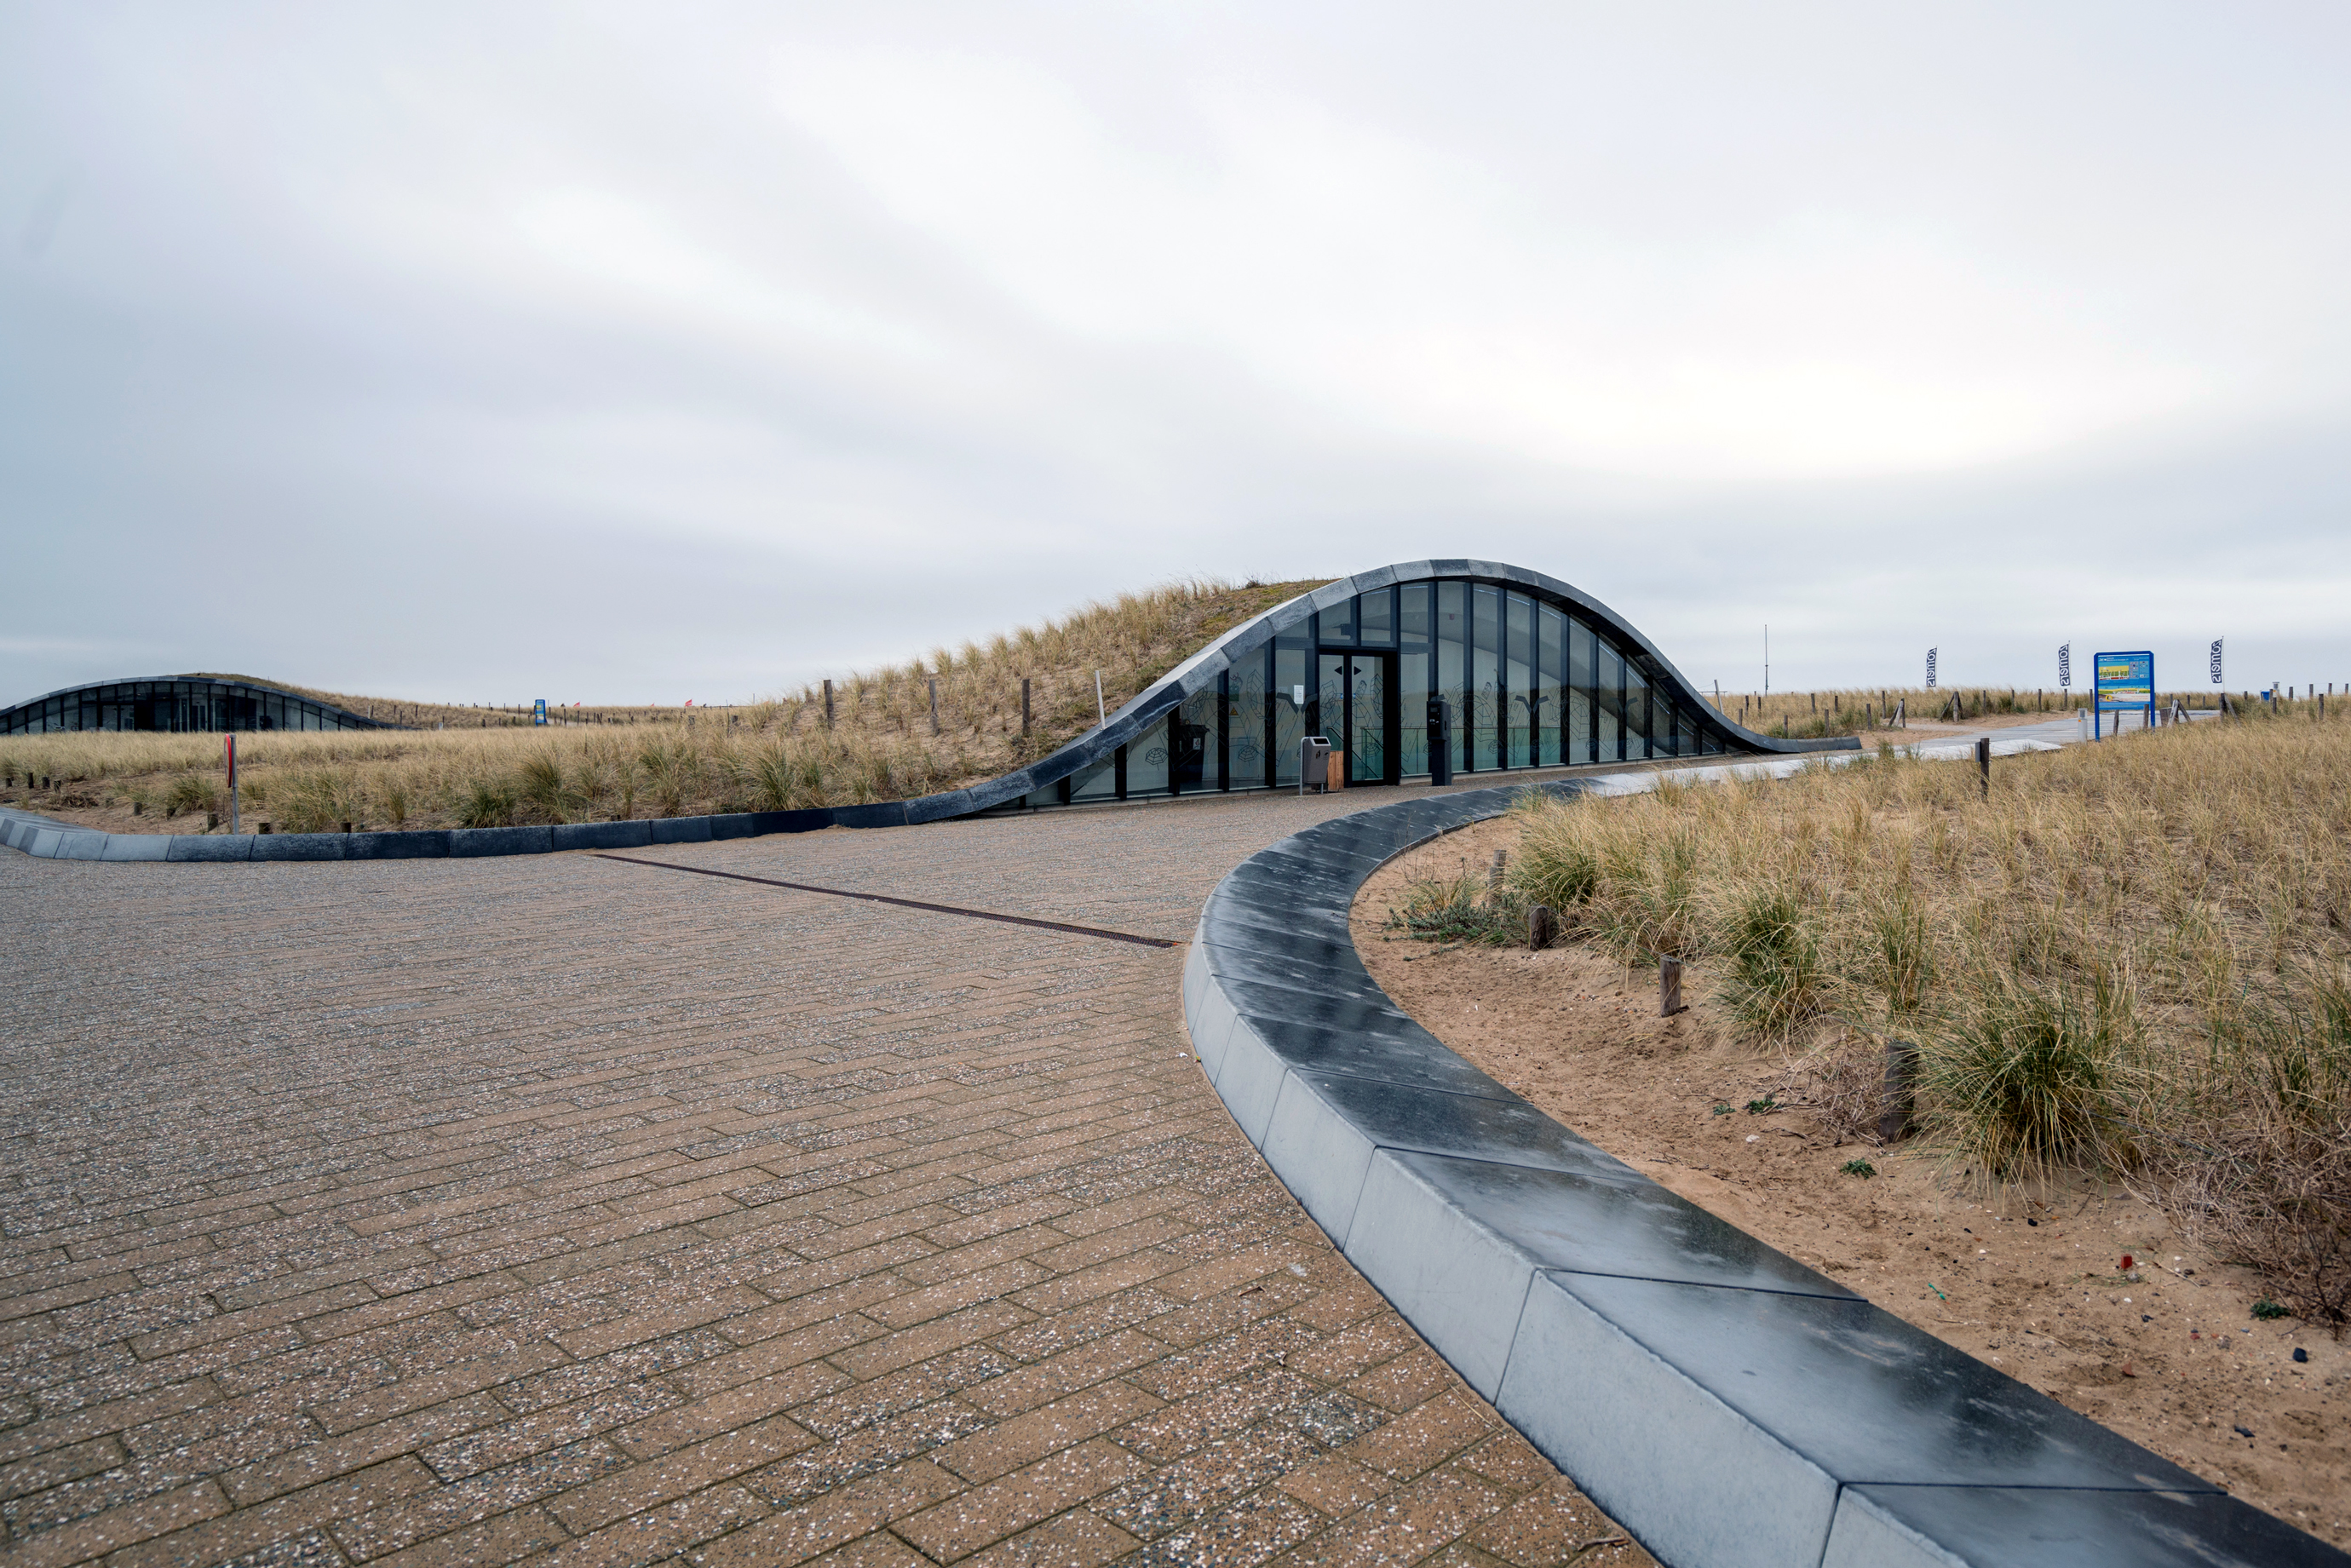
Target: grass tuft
<point>2133,958</point>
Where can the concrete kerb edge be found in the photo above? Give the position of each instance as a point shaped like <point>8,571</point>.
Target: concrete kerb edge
<point>46,841</point>
<point>1693,1516</point>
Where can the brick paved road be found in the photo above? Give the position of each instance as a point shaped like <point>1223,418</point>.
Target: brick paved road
<point>553,1210</point>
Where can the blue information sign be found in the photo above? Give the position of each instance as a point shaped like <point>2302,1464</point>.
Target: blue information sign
<point>2125,684</point>
<point>538,711</point>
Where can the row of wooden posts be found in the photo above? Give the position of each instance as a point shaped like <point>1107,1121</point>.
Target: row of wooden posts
<point>935,704</point>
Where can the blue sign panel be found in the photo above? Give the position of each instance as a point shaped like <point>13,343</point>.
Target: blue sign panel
<point>2125,681</point>
<point>2125,684</point>
<point>538,711</point>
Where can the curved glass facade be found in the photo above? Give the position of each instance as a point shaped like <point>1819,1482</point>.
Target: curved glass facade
<point>177,704</point>
<point>1533,682</point>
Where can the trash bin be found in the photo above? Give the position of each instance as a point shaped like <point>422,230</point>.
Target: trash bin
<point>1315,764</point>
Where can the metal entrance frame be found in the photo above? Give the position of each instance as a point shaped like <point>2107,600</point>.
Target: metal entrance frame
<point>1356,705</point>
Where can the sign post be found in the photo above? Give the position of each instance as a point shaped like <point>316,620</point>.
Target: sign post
<point>1930,667</point>
<point>538,711</point>
<point>2126,682</point>
<point>2216,659</point>
<point>2065,669</point>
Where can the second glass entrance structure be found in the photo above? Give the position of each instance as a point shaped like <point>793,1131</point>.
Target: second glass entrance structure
<point>1533,681</point>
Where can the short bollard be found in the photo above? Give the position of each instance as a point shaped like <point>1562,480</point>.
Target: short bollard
<point>1542,928</point>
<point>1901,1091</point>
<point>1669,985</point>
<point>1983,763</point>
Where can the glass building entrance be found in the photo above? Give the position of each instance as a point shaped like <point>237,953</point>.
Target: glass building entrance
<point>1358,715</point>
<point>1534,680</point>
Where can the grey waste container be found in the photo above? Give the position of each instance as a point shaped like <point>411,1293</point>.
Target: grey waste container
<point>1314,763</point>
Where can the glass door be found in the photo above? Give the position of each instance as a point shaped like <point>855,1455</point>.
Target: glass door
<point>1356,710</point>
<point>1368,751</point>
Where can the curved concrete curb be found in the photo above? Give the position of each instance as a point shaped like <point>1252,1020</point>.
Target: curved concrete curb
<point>1722,1401</point>
<point>52,841</point>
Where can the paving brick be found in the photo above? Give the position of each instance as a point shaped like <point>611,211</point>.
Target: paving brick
<point>1073,1540</point>
<point>117,1528</point>
<point>1256,1528</point>
<point>678,1472</point>
<point>1007,1445</point>
<point>1012,1502</point>
<point>506,1538</point>
<point>866,1451</point>
<point>1335,1485</point>
<point>1549,1527</point>
<point>658,1534</point>
<point>1422,1439</point>
<point>840,1515</point>
<point>721,1413</point>
<point>557,1210</point>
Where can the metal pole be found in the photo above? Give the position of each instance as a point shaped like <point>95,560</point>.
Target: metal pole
<point>1102,715</point>
<point>828,705</point>
<point>1024,705</point>
<point>935,704</point>
<point>231,782</point>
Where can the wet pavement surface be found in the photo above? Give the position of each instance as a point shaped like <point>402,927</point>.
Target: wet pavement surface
<point>558,1208</point>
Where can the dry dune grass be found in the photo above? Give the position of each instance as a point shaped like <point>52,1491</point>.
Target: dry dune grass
<point>774,755</point>
<point>2128,959</point>
<point>1803,715</point>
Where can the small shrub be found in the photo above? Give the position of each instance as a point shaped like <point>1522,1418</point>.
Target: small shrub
<point>2018,1085</point>
<point>1857,1168</point>
<point>487,803</point>
<point>2266,1309</point>
<point>539,785</point>
<point>1774,981</point>
<point>1555,866</point>
<point>1904,955</point>
<point>1458,909</point>
<point>191,792</point>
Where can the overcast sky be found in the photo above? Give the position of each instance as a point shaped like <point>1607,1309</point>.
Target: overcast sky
<point>655,352</point>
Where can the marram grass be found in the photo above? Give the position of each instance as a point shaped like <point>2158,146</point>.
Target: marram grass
<point>2131,960</point>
